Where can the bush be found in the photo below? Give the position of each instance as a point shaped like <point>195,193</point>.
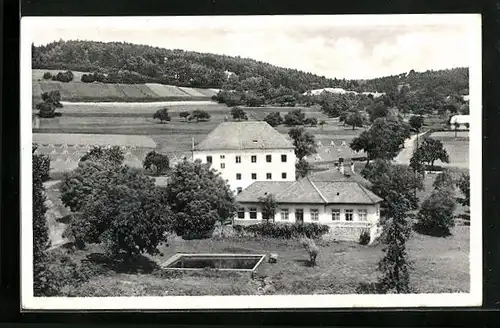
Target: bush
<point>47,75</point>
<point>162,115</point>
<point>364,237</point>
<point>63,77</point>
<point>284,230</point>
<point>435,217</point>
<point>311,249</point>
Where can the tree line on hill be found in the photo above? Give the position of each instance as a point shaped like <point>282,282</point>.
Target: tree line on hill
<point>243,81</point>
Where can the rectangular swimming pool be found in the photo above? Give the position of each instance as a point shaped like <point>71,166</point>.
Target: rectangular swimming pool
<point>220,262</point>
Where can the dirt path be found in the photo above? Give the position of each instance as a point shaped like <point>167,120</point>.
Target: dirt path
<point>406,153</point>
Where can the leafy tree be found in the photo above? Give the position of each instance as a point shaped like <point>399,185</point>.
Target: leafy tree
<point>464,185</point>
<point>46,110</point>
<point>41,278</point>
<point>387,179</point>
<point>47,75</point>
<point>252,99</point>
<point>238,114</point>
<point>416,122</point>
<point>395,265</point>
<point>378,110</point>
<point>354,119</point>
<point>42,165</point>
<point>444,181</point>
<point>304,142</point>
<point>383,140</point>
<point>302,169</point>
<point>109,156</point>
<point>162,115</point>
<point>429,151</point>
<point>312,121</point>
<point>199,115</point>
<point>295,117</point>
<point>435,217</point>
<point>53,97</point>
<point>268,204</point>
<point>199,198</point>
<point>467,125</point>
<point>184,115</point>
<point>125,212</point>
<point>157,162</point>
<point>273,119</point>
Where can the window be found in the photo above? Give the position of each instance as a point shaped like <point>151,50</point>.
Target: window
<point>222,156</point>
<point>378,211</point>
<point>241,213</point>
<point>254,159</point>
<point>254,176</point>
<point>238,159</point>
<point>314,214</point>
<point>253,213</point>
<point>209,159</point>
<point>335,214</point>
<point>283,175</point>
<point>283,158</point>
<point>362,214</point>
<point>268,158</point>
<point>284,214</point>
<point>222,165</point>
<point>238,176</point>
<point>268,176</point>
<point>239,190</point>
<point>348,215</point>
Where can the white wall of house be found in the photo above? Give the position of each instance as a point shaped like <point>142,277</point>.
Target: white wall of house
<point>224,161</point>
<point>325,215</point>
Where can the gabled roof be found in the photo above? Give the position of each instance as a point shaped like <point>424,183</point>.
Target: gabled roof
<point>310,192</point>
<point>244,135</point>
<point>335,175</point>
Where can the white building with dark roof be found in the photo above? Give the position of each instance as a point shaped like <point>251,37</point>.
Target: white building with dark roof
<point>343,204</point>
<point>247,152</point>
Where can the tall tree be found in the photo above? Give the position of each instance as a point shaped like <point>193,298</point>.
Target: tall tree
<point>199,115</point>
<point>295,117</point>
<point>354,119</point>
<point>127,214</point>
<point>157,162</point>
<point>238,114</point>
<point>273,119</point>
<point>268,204</point>
<point>387,178</point>
<point>435,217</point>
<point>395,265</point>
<point>416,122</point>
<point>302,169</point>
<point>304,142</point>
<point>429,151</point>
<point>162,115</point>
<point>383,140</point>
<point>199,197</point>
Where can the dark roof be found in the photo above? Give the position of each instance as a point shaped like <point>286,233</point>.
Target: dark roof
<point>335,175</point>
<point>244,135</point>
<point>312,192</point>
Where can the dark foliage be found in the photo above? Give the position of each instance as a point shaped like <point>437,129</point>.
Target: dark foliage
<point>304,142</point>
<point>435,217</point>
<point>47,75</point>
<point>364,237</point>
<point>285,230</point>
<point>274,119</point>
<point>162,115</point>
<point>464,185</point>
<point>295,117</point>
<point>156,162</point>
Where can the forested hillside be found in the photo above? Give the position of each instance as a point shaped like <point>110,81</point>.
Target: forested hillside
<point>173,67</point>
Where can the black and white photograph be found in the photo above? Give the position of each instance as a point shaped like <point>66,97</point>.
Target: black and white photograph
<point>251,162</point>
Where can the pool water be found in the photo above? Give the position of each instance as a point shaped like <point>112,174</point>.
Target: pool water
<point>216,261</point>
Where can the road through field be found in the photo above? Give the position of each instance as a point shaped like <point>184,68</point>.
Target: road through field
<point>406,153</point>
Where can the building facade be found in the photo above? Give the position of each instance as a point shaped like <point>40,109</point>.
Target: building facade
<point>345,205</point>
<point>247,152</point>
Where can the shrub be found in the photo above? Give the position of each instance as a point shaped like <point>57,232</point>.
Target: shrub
<point>162,115</point>
<point>311,249</point>
<point>273,119</point>
<point>286,231</point>
<point>63,77</point>
<point>156,162</point>
<point>47,75</point>
<point>46,110</point>
<point>435,217</point>
<point>364,237</point>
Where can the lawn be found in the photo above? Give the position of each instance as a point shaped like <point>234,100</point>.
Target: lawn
<point>342,267</point>
<point>457,148</point>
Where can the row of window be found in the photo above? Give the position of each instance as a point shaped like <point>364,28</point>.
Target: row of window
<point>299,214</point>
<point>269,176</point>
<point>253,158</point>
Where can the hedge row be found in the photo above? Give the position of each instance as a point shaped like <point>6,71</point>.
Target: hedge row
<point>284,230</point>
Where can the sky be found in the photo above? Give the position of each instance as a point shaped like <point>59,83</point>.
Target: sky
<point>351,47</point>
